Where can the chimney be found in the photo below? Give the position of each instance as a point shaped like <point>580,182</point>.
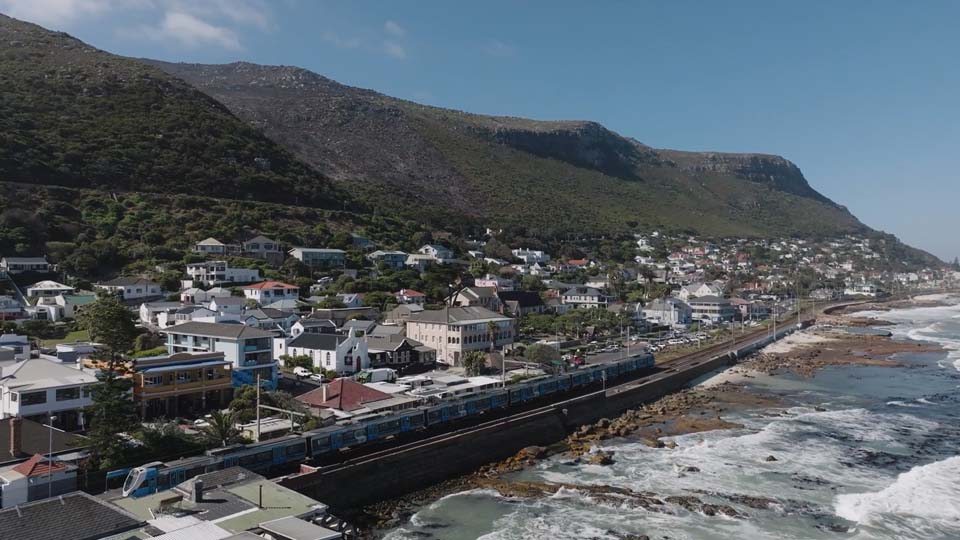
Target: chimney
<point>16,436</point>
<point>198,490</point>
<point>324,386</point>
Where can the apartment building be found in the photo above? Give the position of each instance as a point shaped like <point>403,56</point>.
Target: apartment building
<point>248,350</point>
<point>455,331</point>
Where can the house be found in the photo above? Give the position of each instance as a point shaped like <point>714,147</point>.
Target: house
<point>37,388</point>
<point>401,313</point>
<point>248,350</point>
<point>390,259</point>
<point>351,300</point>
<point>150,310</point>
<point>520,303</point>
<point>312,326</point>
<point>419,261</point>
<point>211,246</point>
<point>346,397</point>
<point>38,478</point>
<point>10,308</point>
<point>212,273</point>
<point>195,295</point>
<point>18,265</point>
<point>181,384</point>
<point>270,319</point>
<point>319,257</point>
<point>360,327</point>
<point>712,308</point>
<point>174,316</point>
<point>227,305</point>
<point>132,288</point>
<point>455,331</point>
<point>261,247</point>
<point>695,290</point>
<point>530,256</point>
<point>20,345</point>
<point>333,352</point>
<point>496,282</point>
<point>399,352</point>
<point>668,311</point>
<point>581,296</point>
<point>70,304</point>
<point>361,242</point>
<point>266,292</point>
<point>437,252</point>
<point>410,296</point>
<point>476,296</point>
<point>48,289</point>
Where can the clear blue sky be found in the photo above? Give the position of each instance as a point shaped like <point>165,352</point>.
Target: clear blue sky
<point>863,96</point>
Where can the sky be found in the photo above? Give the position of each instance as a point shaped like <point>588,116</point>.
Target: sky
<point>861,95</point>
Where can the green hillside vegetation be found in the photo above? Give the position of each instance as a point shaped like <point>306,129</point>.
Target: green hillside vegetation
<point>72,115</point>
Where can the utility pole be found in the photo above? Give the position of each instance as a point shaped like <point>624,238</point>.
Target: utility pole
<point>50,419</point>
<point>258,408</point>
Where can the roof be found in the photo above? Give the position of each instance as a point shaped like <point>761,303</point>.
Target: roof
<point>228,301</point>
<point>312,323</point>
<point>49,284</point>
<point>479,292</point>
<point>582,291</point>
<point>321,342</point>
<point>457,315</point>
<point>268,313</point>
<point>43,373</point>
<point>230,500</point>
<point>195,530</point>
<point>260,239</point>
<point>522,298</point>
<point>74,516</point>
<point>26,260</point>
<point>210,242</point>
<point>344,395</point>
<point>39,465</point>
<point>358,324</point>
<point>298,529</point>
<point>79,299</point>
<point>35,439</point>
<point>320,250</point>
<point>410,293</point>
<point>126,282</point>
<point>270,285</point>
<point>232,331</point>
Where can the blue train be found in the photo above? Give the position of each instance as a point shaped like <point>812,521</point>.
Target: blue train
<point>264,456</point>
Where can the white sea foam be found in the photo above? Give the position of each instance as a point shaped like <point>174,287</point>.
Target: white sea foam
<point>929,491</point>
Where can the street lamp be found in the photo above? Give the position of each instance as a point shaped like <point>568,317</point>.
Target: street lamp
<point>51,420</point>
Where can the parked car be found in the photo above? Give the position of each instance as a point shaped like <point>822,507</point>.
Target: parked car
<point>301,371</point>
<point>319,378</point>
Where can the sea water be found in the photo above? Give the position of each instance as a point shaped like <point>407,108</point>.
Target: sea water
<point>861,453</point>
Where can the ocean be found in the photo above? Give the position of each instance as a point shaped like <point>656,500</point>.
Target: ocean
<point>854,452</point>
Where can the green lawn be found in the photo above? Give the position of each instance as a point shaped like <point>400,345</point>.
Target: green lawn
<point>79,335</point>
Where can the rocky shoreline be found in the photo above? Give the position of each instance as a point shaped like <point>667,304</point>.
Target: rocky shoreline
<point>693,410</point>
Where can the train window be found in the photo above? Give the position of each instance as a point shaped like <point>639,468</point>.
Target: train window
<point>321,442</point>
<point>248,459</point>
<point>294,450</point>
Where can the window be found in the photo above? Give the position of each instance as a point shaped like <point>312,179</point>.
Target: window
<point>14,396</point>
<point>34,398</point>
<point>86,391</point>
<point>67,394</point>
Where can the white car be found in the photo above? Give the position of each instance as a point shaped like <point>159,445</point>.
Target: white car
<point>301,371</point>
<point>319,378</point>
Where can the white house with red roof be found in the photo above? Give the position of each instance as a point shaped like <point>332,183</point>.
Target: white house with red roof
<point>410,296</point>
<point>35,479</point>
<point>267,292</point>
<point>347,397</point>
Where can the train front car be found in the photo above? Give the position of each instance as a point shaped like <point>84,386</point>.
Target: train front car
<point>141,481</point>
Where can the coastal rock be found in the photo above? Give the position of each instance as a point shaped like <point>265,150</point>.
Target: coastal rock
<point>652,443</point>
<point>770,458</point>
<point>601,458</point>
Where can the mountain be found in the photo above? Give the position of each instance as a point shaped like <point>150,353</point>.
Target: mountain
<point>72,115</point>
<point>548,177</point>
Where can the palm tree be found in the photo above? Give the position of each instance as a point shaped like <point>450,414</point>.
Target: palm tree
<point>221,428</point>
